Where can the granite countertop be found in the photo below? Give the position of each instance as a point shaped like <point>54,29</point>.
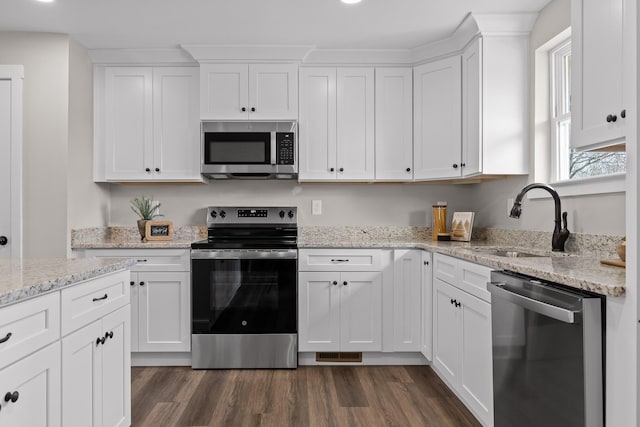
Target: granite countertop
<point>579,267</point>
<point>26,278</point>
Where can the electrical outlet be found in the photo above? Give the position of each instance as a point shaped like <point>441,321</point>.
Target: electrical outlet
<point>509,206</point>
<point>316,207</point>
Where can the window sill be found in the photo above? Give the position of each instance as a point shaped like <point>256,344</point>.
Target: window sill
<point>615,183</point>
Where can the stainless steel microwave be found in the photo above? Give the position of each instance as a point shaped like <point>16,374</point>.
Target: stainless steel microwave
<point>249,150</point>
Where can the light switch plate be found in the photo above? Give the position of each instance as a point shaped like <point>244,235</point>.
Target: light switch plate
<point>316,207</point>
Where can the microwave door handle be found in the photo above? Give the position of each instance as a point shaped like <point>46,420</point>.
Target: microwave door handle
<point>273,148</point>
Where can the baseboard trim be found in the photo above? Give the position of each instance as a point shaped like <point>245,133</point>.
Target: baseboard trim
<point>368,358</point>
<point>161,359</point>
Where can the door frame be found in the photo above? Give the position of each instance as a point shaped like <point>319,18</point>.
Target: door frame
<point>15,73</point>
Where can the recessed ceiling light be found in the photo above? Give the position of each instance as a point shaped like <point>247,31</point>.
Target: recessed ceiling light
<point>45,1</point>
<point>350,1</point>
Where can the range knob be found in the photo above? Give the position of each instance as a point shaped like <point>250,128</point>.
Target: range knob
<point>223,214</point>
<point>281,214</point>
<point>214,214</point>
<point>290,214</point>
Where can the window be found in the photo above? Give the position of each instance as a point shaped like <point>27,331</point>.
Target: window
<point>566,163</point>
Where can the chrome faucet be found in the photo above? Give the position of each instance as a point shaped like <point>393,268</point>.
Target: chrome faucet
<point>560,235</point>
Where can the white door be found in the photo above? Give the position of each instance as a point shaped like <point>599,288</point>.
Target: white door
<point>437,119</point>
<point>224,92</point>
<point>164,311</point>
<point>472,135</point>
<point>355,124</point>
<point>116,369</point>
<point>360,311</point>
<point>394,131</point>
<point>407,300</point>
<point>11,161</point>
<point>317,125</point>
<point>176,123</point>
<point>81,378</point>
<point>273,92</point>
<point>129,123</point>
<point>34,382</point>
<point>476,369</point>
<point>446,331</point>
<point>319,311</point>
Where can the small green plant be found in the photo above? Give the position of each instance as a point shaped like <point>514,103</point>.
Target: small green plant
<point>143,208</point>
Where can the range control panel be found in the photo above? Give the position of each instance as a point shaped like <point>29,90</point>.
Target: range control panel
<point>229,215</point>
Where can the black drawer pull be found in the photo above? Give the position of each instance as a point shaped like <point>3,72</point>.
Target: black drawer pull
<point>6,338</point>
<point>108,335</point>
<point>13,397</point>
<point>101,298</point>
<point>339,260</point>
<point>100,340</point>
<point>141,260</point>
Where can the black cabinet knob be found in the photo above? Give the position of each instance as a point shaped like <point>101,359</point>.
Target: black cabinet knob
<point>253,109</point>
<point>612,118</point>
<point>243,109</point>
<point>132,283</point>
<point>335,282</point>
<point>100,340</point>
<point>408,169</point>
<point>332,169</point>
<point>141,283</point>
<point>463,164</point>
<point>426,263</point>
<point>455,166</point>
<point>157,169</point>
<point>623,114</point>
<point>345,283</point>
<point>13,397</point>
<point>108,335</point>
<point>147,170</point>
<point>341,169</point>
<point>3,240</point>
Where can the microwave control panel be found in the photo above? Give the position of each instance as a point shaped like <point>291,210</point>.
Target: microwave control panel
<point>285,148</point>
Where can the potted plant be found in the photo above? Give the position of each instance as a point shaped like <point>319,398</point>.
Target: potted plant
<point>143,207</point>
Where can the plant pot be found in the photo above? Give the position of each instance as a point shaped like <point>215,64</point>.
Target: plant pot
<point>142,225</point>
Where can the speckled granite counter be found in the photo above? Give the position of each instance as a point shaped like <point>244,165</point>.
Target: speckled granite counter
<point>22,279</point>
<point>580,267</point>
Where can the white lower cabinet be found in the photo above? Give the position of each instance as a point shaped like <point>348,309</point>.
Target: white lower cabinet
<point>34,384</point>
<point>340,311</point>
<point>407,301</point>
<point>96,382</point>
<point>462,338</point>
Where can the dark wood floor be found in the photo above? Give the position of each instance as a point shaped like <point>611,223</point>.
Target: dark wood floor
<point>308,396</point>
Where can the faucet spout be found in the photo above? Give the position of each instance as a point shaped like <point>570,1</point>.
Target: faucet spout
<point>560,231</point>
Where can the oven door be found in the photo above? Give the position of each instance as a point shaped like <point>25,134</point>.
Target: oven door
<point>244,291</point>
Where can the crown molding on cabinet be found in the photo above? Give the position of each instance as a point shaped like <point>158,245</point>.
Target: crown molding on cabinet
<point>469,28</point>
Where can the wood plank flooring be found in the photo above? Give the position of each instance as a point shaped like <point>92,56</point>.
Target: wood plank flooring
<point>308,396</point>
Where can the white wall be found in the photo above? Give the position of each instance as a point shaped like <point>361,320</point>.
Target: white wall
<point>599,214</point>
<point>88,203</point>
<point>45,58</point>
<point>343,204</point>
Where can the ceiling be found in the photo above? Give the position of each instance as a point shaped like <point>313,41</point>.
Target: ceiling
<point>382,24</point>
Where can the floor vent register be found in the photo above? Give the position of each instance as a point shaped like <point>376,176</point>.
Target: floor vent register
<point>337,356</point>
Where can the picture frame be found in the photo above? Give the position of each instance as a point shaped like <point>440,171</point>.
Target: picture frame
<point>462,226</point>
<point>158,230</point>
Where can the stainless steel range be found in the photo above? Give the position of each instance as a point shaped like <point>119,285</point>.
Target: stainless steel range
<point>244,289</point>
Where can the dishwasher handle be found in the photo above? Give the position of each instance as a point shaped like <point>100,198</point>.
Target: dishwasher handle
<point>559,313</point>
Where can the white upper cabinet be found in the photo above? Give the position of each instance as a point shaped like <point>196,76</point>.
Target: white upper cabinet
<point>597,110</point>
<point>394,133</point>
<point>336,131</point>
<point>437,119</point>
<point>146,124</point>
<point>495,97</point>
<point>249,91</point>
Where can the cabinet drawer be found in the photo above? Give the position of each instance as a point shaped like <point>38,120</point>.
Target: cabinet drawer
<point>339,260</point>
<point>445,268</point>
<point>148,259</point>
<point>89,301</point>
<point>28,326</point>
<point>474,278</point>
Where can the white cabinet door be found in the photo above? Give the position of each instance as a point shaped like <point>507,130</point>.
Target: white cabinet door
<point>135,312</point>
<point>360,311</point>
<point>273,92</point>
<point>596,90</point>
<point>437,119</point>
<point>319,311</point>
<point>224,93</point>
<point>394,131</point>
<point>355,124</point>
<point>472,109</point>
<point>115,370</point>
<point>35,382</point>
<point>446,331</point>
<point>407,300</point>
<point>176,154</point>
<point>128,123</point>
<point>164,311</point>
<point>476,365</point>
<point>317,125</point>
<point>81,377</point>
<point>427,305</point>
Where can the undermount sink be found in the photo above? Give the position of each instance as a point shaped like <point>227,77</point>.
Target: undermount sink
<point>507,253</point>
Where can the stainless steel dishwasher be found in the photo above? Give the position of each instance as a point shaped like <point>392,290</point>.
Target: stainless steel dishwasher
<point>547,353</point>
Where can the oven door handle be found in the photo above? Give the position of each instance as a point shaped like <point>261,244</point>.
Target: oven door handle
<point>231,254</point>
